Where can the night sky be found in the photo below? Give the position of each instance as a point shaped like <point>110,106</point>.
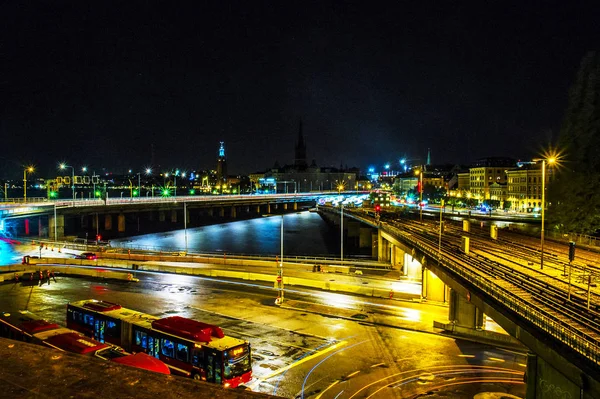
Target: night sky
<point>96,82</point>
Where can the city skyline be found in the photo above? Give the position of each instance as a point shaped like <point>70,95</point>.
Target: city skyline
<point>117,85</point>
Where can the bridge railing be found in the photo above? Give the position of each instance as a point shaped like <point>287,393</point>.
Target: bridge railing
<point>548,323</point>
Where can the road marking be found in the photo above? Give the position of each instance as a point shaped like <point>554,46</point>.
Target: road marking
<point>497,359</point>
<point>326,389</point>
<point>377,365</point>
<point>303,360</point>
<point>469,356</point>
<point>352,374</point>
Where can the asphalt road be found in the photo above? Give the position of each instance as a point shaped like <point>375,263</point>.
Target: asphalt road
<point>299,351</point>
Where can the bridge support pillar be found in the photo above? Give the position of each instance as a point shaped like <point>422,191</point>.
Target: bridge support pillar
<point>285,206</point>
<point>375,245</point>
<point>433,288</point>
<point>544,381</point>
<point>211,212</point>
<point>173,216</point>
<point>364,237</point>
<point>108,222</point>
<point>233,212</point>
<point>84,221</point>
<point>383,254</point>
<point>257,208</point>
<point>464,314</point>
<point>222,212</point>
<point>121,223</point>
<point>268,208</point>
<point>59,222</point>
<point>295,206</point>
<point>161,216</point>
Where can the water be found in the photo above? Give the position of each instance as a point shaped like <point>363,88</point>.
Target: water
<point>305,233</point>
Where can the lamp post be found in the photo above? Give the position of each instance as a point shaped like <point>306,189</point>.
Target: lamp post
<point>342,232</point>
<point>148,173</point>
<point>64,166</point>
<point>185,225</point>
<point>550,161</point>
<point>175,182</point>
<point>441,227</point>
<point>139,185</point>
<point>420,173</point>
<point>30,170</point>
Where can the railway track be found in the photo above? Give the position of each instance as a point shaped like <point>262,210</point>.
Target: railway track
<point>534,296</point>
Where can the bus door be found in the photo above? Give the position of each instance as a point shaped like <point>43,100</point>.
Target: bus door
<point>99,327</point>
<point>213,368</point>
<point>153,346</point>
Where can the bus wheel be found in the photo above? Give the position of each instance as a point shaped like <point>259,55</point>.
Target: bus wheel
<point>196,376</point>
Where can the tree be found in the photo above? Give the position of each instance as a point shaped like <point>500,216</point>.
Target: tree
<point>573,205</point>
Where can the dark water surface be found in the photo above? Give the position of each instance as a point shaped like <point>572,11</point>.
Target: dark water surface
<point>305,233</point>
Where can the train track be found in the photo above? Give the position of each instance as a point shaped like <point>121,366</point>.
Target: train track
<point>533,295</point>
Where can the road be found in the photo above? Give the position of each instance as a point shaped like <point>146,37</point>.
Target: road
<point>299,350</point>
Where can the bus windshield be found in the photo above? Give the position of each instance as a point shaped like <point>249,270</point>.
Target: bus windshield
<point>237,361</point>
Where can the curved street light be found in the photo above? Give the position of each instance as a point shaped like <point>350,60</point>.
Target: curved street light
<point>30,170</point>
<point>64,166</point>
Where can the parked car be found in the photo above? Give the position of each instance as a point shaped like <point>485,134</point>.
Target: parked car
<point>87,255</point>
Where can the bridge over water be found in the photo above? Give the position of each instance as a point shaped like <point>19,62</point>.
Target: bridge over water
<point>115,217</point>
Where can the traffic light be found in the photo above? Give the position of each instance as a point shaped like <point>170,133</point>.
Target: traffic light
<point>98,237</point>
<point>97,193</point>
<point>377,208</point>
<point>571,251</point>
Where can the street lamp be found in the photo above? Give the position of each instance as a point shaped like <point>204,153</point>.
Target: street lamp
<point>64,166</point>
<point>420,174</point>
<point>30,170</point>
<point>550,162</point>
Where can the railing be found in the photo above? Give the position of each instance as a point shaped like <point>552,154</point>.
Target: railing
<point>555,327</point>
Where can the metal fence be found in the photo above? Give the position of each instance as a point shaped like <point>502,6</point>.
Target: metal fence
<point>553,326</point>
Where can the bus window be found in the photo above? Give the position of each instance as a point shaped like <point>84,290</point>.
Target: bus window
<point>198,358</point>
<point>153,346</point>
<point>76,316</point>
<point>99,330</point>
<point>182,353</point>
<point>168,349</point>
<point>141,339</point>
<point>210,377</point>
<point>217,371</point>
<point>112,329</point>
<point>89,320</point>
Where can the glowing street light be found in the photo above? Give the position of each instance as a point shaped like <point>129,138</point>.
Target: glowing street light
<point>550,160</point>
<point>420,174</point>
<point>64,166</point>
<point>30,170</point>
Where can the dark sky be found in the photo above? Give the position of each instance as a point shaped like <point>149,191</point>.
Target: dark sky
<point>97,82</point>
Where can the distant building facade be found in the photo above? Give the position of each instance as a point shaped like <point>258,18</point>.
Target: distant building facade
<point>302,177</point>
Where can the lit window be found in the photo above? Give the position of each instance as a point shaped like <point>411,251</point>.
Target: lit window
<point>182,353</point>
<point>168,348</point>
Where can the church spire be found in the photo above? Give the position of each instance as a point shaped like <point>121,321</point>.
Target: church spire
<point>300,153</point>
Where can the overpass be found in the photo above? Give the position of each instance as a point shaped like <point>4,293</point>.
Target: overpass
<point>122,216</point>
<point>562,335</point>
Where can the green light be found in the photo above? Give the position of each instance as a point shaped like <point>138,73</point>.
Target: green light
<point>97,193</point>
<point>192,192</point>
<point>234,191</point>
<point>53,194</point>
<point>135,193</point>
<point>166,192</point>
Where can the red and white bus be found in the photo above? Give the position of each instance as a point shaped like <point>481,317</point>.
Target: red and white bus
<point>25,326</point>
<point>189,347</point>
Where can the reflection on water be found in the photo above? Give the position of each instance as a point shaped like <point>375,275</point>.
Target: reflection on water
<point>305,233</point>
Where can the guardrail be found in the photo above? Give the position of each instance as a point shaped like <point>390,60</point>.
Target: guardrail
<point>553,326</point>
